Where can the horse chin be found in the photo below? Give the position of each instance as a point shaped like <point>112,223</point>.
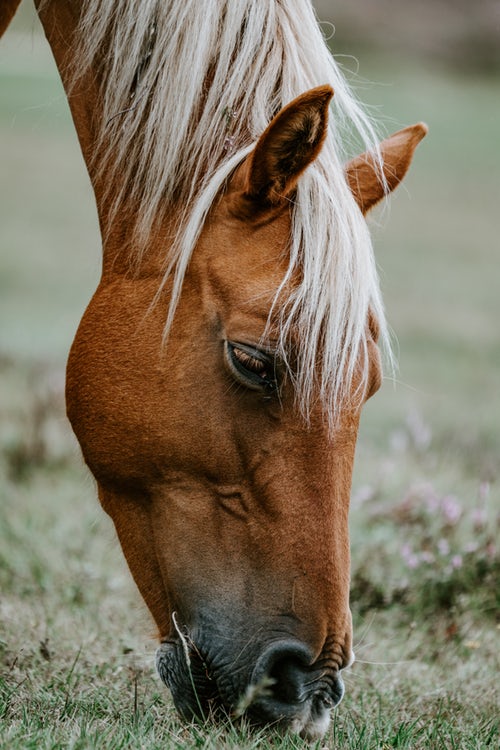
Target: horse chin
<point>309,719</point>
<point>314,725</point>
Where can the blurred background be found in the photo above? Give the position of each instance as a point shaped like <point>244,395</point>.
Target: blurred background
<point>425,514</point>
<point>463,35</point>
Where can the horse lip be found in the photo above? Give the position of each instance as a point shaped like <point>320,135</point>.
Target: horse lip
<point>165,658</point>
<point>309,719</point>
<point>195,695</point>
<point>174,673</point>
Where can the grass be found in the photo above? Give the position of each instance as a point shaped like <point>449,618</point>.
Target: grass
<point>76,646</point>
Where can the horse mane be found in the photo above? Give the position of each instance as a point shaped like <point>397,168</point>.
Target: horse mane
<point>187,89</point>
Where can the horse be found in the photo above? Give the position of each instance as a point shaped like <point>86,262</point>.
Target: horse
<point>216,379</point>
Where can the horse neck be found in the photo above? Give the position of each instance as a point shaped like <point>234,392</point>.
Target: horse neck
<point>60,23</point>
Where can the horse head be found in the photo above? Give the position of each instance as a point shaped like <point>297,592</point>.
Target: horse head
<point>230,503</point>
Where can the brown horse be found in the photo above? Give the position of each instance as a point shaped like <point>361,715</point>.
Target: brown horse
<point>217,376</point>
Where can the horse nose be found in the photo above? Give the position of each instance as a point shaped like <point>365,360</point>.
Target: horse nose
<point>289,687</point>
<point>283,669</point>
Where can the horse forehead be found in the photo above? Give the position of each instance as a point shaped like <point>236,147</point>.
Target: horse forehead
<point>244,262</point>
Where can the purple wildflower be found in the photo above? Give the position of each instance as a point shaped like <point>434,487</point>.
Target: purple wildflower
<point>451,509</point>
<point>427,557</point>
<point>479,518</point>
<point>443,547</point>
<point>410,558</point>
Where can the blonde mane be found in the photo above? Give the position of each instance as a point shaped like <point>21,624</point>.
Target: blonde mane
<point>187,88</point>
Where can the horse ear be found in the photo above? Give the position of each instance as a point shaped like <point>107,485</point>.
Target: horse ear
<point>363,176</point>
<point>289,144</point>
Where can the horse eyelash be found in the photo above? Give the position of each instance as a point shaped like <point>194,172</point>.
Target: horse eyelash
<point>250,363</point>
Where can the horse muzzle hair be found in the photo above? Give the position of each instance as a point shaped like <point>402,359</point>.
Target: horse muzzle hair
<point>281,685</point>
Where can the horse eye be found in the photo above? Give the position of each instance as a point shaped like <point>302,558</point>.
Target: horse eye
<point>250,366</point>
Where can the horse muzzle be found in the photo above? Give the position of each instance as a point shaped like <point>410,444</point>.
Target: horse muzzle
<point>284,689</point>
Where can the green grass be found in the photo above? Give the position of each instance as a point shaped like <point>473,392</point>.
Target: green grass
<point>76,646</point>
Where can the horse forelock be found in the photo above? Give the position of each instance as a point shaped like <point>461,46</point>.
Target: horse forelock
<point>187,88</point>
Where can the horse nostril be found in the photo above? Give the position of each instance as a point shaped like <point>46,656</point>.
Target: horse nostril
<point>288,675</point>
<point>284,666</point>
<point>287,686</point>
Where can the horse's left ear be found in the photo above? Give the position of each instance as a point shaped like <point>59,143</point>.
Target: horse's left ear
<point>288,145</point>
<point>397,151</point>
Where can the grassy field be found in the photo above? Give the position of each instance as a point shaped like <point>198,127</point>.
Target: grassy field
<point>76,646</point>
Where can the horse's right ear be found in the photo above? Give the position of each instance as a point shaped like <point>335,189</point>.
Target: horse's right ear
<point>289,144</point>
<point>362,173</point>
